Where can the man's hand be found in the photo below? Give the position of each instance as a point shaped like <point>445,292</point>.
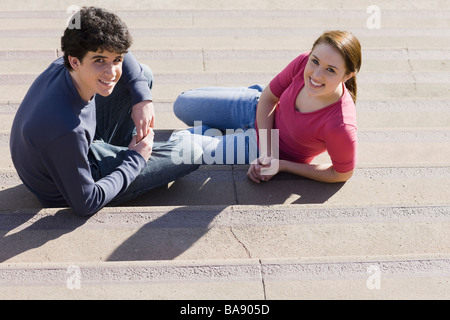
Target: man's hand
<point>143,115</point>
<point>145,146</point>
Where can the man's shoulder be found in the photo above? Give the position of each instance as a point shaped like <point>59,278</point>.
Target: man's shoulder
<point>53,86</point>
<point>54,71</point>
<point>49,101</point>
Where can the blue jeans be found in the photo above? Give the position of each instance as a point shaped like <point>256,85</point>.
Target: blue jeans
<point>223,120</point>
<point>114,132</point>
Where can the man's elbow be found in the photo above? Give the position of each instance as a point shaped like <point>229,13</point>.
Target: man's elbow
<point>84,211</point>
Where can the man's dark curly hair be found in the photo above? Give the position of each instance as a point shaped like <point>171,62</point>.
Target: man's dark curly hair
<point>98,29</point>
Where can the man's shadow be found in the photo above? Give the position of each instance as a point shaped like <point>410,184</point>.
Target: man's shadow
<point>25,226</point>
<point>168,236</point>
<point>25,229</point>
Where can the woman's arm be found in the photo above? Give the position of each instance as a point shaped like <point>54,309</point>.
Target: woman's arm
<point>265,118</point>
<point>318,172</point>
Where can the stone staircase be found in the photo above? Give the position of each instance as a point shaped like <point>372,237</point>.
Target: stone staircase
<point>385,234</point>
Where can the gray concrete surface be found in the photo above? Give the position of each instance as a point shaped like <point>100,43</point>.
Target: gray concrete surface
<point>213,234</point>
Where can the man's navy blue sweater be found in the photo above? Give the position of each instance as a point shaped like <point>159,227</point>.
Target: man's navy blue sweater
<point>50,138</point>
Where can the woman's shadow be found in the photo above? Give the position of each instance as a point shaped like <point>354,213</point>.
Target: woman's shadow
<point>174,232</point>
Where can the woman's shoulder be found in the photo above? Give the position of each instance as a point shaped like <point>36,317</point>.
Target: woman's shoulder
<point>342,115</point>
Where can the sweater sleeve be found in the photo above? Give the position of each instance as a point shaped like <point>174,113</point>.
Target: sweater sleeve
<point>133,75</point>
<point>67,164</point>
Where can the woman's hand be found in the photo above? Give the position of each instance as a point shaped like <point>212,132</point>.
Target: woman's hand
<point>264,169</point>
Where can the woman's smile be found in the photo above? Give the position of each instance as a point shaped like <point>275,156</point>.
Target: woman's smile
<point>316,84</point>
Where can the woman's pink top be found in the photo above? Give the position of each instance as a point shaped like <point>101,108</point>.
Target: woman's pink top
<point>303,136</point>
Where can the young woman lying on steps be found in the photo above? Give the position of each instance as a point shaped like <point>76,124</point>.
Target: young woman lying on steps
<point>311,103</point>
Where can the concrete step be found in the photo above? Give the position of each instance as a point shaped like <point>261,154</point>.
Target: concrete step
<point>168,87</point>
<point>186,69</point>
<point>236,60</point>
<point>229,185</point>
<point>224,232</point>
<point>249,279</point>
<point>394,115</point>
<point>291,27</point>
<point>262,5</point>
<point>291,39</point>
<point>169,92</point>
<point>211,252</point>
<point>304,17</point>
<point>419,148</point>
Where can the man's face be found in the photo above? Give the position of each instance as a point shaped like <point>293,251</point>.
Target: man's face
<point>98,72</point>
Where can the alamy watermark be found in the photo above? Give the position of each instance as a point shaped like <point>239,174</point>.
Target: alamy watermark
<point>236,146</point>
<point>73,280</point>
<point>374,280</point>
<point>374,20</point>
<point>74,20</point>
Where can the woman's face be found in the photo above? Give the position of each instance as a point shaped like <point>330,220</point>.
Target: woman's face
<point>324,72</point>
